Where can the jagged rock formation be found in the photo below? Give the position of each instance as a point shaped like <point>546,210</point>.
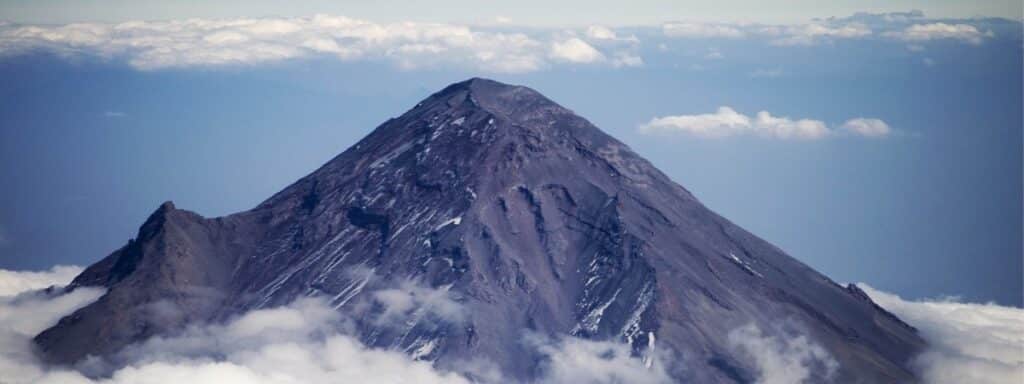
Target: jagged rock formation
<point>527,214</point>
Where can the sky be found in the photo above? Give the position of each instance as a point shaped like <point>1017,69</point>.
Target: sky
<point>878,142</point>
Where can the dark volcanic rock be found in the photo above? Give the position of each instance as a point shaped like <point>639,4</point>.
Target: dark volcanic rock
<point>528,214</point>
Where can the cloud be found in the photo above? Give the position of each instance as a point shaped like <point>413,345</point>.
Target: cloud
<point>400,303</point>
<point>150,45</point>
<point>793,359</point>
<point>969,343</point>
<point>867,127</point>
<point>702,30</point>
<point>626,59</point>
<point>25,310</point>
<point>15,282</point>
<point>938,31</point>
<point>114,114</point>
<point>307,341</point>
<point>726,122</point>
<point>813,33</point>
<point>574,360</point>
<point>574,50</point>
<point>598,32</point>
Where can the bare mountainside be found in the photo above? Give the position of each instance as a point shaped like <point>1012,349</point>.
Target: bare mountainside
<point>526,215</point>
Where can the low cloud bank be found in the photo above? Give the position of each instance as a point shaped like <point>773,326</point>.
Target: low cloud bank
<point>970,343</point>
<point>306,341</point>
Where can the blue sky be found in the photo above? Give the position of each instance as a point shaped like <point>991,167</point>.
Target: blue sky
<point>882,148</point>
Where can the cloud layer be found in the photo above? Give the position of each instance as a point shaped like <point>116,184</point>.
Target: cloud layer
<point>215,42</point>
<point>727,122</point>
<point>910,26</point>
<point>494,48</point>
<point>306,341</point>
<point>970,343</point>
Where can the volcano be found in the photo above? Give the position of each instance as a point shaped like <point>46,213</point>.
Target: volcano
<point>529,216</point>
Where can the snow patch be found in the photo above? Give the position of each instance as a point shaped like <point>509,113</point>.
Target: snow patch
<point>744,265</point>
<point>452,221</point>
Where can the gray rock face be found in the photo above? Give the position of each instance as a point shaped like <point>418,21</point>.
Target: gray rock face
<point>531,217</point>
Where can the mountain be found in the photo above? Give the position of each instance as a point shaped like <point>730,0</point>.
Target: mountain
<point>522,212</point>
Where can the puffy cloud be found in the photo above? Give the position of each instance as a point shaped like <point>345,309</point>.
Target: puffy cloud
<point>809,34</point>
<point>702,30</point>
<point>214,42</point>
<point>937,31</point>
<point>15,282</point>
<point>867,127</point>
<point>783,360</point>
<point>598,32</point>
<point>573,360</point>
<point>575,50</point>
<point>726,122</point>
<point>969,343</point>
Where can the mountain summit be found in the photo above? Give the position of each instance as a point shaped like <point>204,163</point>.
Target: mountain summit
<point>521,212</point>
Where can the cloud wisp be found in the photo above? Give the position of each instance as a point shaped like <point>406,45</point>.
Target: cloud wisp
<point>727,122</point>
<point>15,282</point>
<point>970,343</point>
<point>941,31</point>
<point>910,26</point>
<point>149,45</point>
<point>790,360</point>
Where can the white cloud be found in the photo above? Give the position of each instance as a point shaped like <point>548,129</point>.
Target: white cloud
<point>15,282</point>
<point>574,360</point>
<point>726,122</point>
<point>783,360</point>
<point>969,343</point>
<point>151,45</point>
<point>867,127</point>
<point>702,30</point>
<point>25,311</point>
<point>400,303</point>
<point>598,32</point>
<point>575,50</point>
<point>810,34</point>
<point>938,31</point>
